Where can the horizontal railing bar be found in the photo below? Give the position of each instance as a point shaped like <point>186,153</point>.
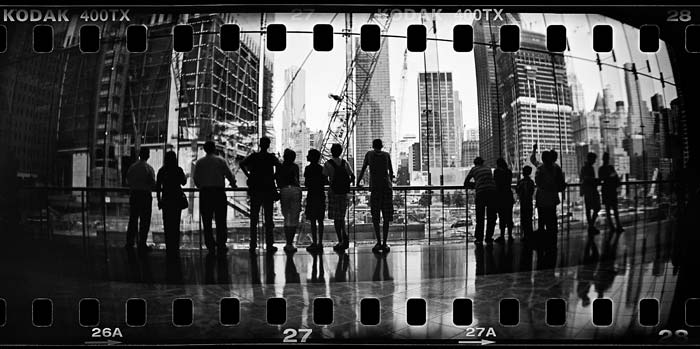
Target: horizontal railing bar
<point>363,188</point>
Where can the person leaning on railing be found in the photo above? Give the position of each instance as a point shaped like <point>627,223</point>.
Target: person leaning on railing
<point>141,180</point>
<point>290,197</point>
<point>209,174</point>
<point>260,169</point>
<point>484,200</point>
<point>171,199</point>
<point>549,180</point>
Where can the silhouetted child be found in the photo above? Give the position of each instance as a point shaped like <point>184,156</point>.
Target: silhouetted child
<point>525,190</point>
<point>315,199</point>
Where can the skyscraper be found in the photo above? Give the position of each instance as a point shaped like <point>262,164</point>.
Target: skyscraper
<point>578,103</point>
<point>536,103</point>
<point>437,120</point>
<point>487,80</point>
<point>294,102</point>
<point>470,147</point>
<point>639,125</point>
<point>459,127</point>
<point>374,118</point>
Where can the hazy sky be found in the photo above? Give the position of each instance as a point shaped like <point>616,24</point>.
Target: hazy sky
<point>325,70</point>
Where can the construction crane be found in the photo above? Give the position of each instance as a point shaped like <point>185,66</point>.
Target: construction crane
<point>344,116</point>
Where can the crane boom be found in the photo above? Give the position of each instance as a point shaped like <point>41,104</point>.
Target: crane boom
<point>342,124</point>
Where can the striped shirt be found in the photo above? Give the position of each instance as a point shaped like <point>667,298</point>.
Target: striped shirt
<point>483,179</point>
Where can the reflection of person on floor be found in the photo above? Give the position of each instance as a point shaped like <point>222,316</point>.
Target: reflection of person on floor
<point>585,271</point>
<point>341,269</point>
<point>140,267</point>
<point>269,269</point>
<point>606,273</point>
<point>141,179</point>
<point>317,269</point>
<point>381,194</point>
<point>171,199</point>
<point>381,269</point>
<point>209,174</point>
<point>254,269</point>
<point>220,265</point>
<point>589,191</point>
<point>610,181</point>
<point>173,268</point>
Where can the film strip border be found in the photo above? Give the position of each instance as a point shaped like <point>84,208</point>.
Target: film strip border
<point>370,38</point>
<point>182,310</point>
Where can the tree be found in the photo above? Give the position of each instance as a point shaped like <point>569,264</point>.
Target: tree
<point>458,199</point>
<point>447,199</point>
<point>403,176</point>
<point>398,200</point>
<point>425,199</point>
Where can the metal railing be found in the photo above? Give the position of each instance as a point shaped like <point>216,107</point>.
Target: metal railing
<point>422,214</point>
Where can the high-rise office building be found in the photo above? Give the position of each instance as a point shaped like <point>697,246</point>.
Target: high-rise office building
<point>488,79</point>
<point>374,118</point>
<point>536,104</point>
<point>639,126</point>
<point>578,103</point>
<point>437,120</point>
<point>294,102</point>
<point>470,147</point>
<point>459,126</point>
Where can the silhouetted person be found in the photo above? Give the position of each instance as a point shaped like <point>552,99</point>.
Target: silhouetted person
<point>141,180</point>
<point>610,181</point>
<point>525,190</point>
<point>260,169</point>
<point>171,199</point>
<point>589,191</point>
<point>484,199</point>
<point>290,193</point>
<point>314,180</point>
<point>209,174</point>
<point>503,177</point>
<point>381,194</point>
<point>549,180</point>
<point>340,176</point>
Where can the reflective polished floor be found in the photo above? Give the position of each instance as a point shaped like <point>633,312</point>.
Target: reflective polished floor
<point>625,268</point>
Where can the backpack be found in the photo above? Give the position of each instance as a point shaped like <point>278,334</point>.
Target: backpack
<point>341,179</point>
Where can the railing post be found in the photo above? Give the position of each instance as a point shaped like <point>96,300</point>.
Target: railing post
<point>466,220</point>
<point>405,222</point>
<point>82,214</point>
<point>104,220</point>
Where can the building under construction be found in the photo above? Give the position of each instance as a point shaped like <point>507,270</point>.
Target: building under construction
<point>113,102</point>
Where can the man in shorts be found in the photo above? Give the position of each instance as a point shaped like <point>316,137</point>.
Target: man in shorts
<point>381,174</point>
